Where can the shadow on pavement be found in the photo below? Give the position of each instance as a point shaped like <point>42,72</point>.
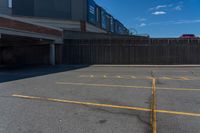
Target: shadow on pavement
<point>16,73</point>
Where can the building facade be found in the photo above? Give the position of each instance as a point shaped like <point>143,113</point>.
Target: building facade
<point>6,7</point>
<point>74,10</point>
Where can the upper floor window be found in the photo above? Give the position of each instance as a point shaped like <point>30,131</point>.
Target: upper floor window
<point>9,3</point>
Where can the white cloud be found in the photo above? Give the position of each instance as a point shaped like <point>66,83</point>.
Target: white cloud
<point>160,6</point>
<point>187,21</point>
<point>151,9</point>
<point>142,25</point>
<point>168,7</point>
<point>143,19</point>
<point>162,23</point>
<point>178,8</point>
<point>177,22</point>
<point>159,13</point>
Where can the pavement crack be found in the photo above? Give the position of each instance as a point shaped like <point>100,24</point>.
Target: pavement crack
<point>152,73</point>
<point>124,113</point>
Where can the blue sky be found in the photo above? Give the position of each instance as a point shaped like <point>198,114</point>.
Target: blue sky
<point>159,18</point>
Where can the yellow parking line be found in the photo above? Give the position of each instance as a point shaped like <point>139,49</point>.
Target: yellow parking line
<point>80,103</point>
<point>166,78</point>
<point>104,105</point>
<point>154,102</point>
<point>184,78</point>
<point>178,113</point>
<point>140,78</point>
<point>175,78</point>
<point>119,77</point>
<point>178,89</point>
<point>103,85</point>
<point>133,77</point>
<point>125,86</point>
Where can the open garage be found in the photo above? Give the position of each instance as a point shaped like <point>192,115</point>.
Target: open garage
<point>25,43</point>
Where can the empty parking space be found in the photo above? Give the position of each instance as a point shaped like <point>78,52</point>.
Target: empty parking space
<point>100,99</point>
<point>177,124</point>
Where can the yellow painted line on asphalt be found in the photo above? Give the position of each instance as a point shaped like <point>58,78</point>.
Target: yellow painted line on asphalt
<point>153,107</point>
<point>119,77</point>
<point>81,103</point>
<point>104,105</point>
<point>133,77</point>
<point>178,113</point>
<point>139,78</point>
<point>105,76</point>
<point>175,78</point>
<point>127,86</point>
<point>154,104</point>
<point>178,89</point>
<point>166,78</point>
<point>184,78</point>
<point>103,85</point>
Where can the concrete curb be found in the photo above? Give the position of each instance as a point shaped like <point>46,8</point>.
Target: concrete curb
<point>145,65</point>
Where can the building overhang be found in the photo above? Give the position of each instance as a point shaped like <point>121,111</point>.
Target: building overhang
<point>16,27</point>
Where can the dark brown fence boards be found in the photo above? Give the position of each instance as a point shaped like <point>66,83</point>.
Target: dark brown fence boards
<point>131,51</point>
<point>105,51</point>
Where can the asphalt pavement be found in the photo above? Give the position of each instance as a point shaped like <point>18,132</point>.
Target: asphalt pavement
<point>99,99</point>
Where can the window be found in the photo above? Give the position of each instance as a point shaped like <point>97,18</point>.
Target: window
<point>9,3</point>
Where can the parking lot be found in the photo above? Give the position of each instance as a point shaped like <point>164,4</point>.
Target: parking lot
<point>94,99</point>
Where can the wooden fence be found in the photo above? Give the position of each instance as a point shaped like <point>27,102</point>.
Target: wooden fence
<point>152,51</point>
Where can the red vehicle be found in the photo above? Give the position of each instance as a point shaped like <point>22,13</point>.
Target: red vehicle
<point>188,36</point>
